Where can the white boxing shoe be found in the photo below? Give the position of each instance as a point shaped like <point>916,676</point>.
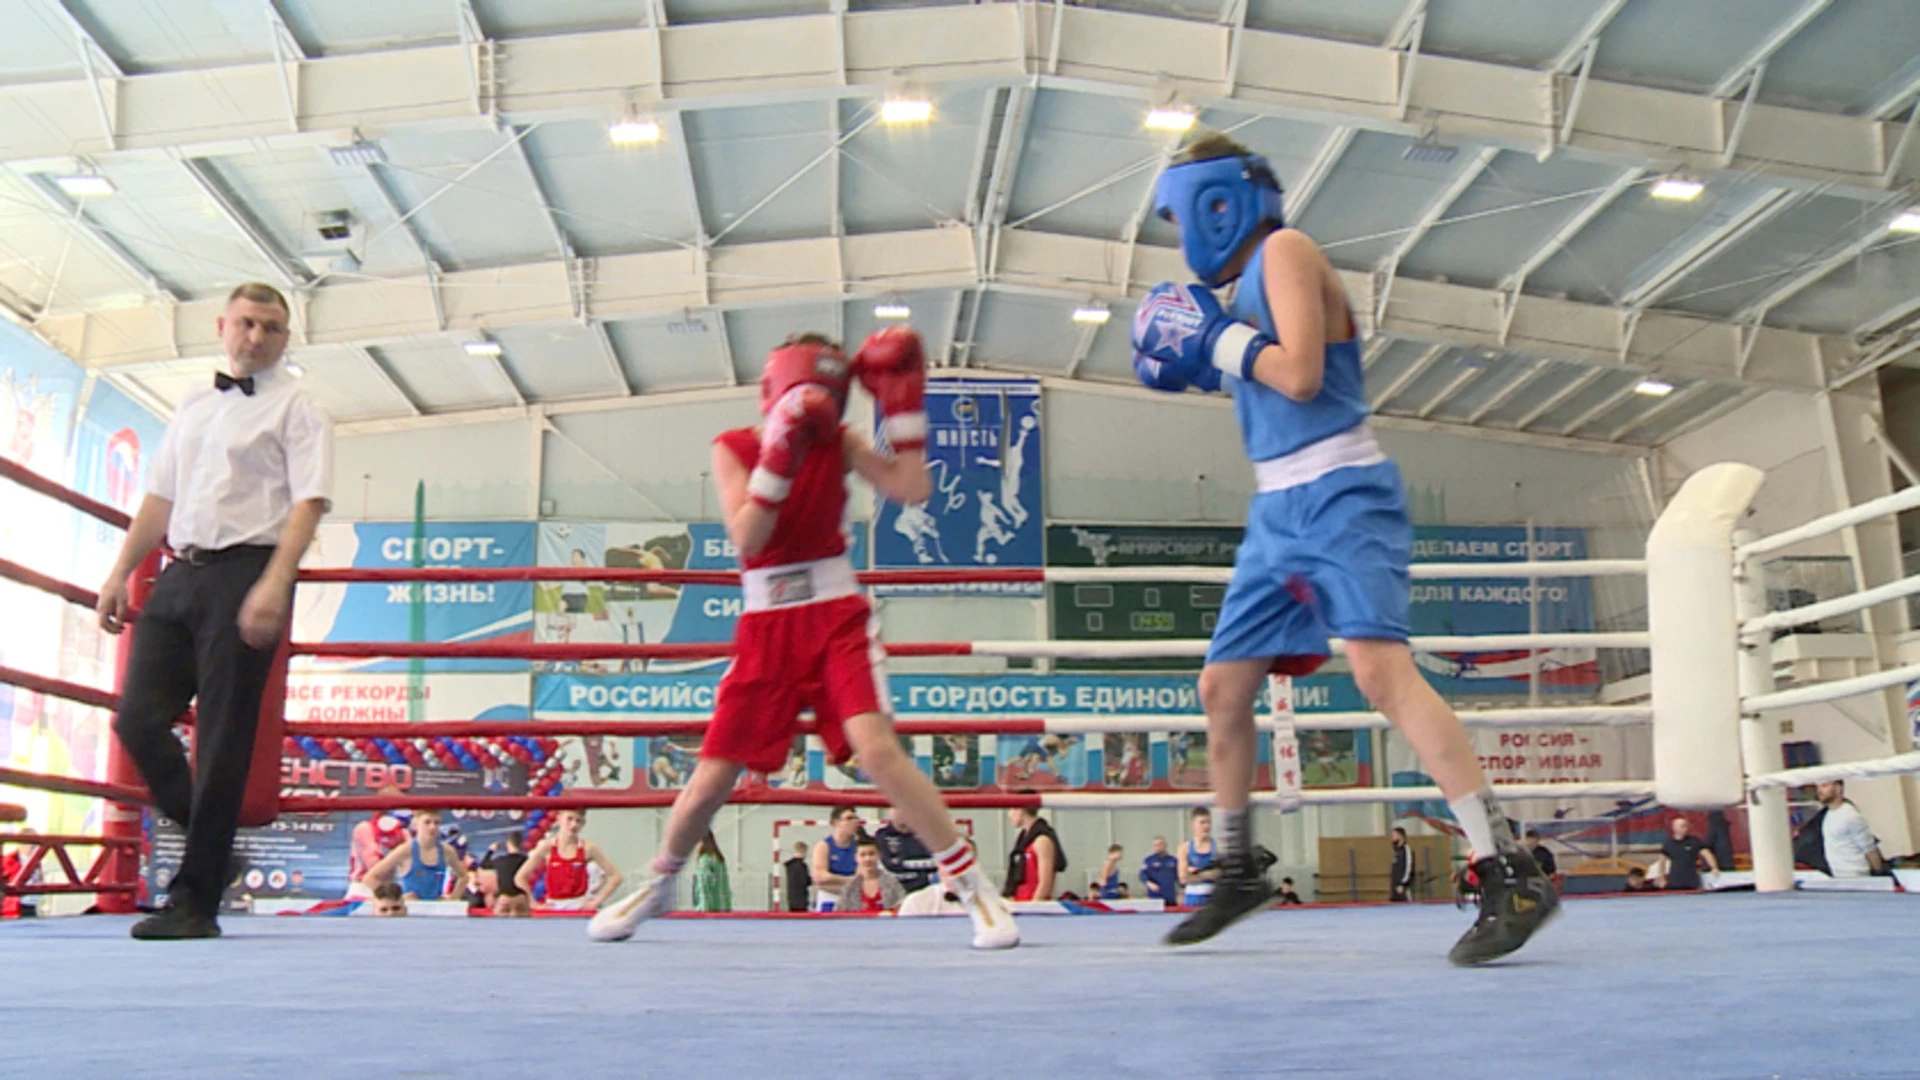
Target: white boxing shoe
<point>993,925</point>
<point>618,921</point>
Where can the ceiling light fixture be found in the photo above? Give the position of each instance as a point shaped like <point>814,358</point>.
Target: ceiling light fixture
<point>633,131</point>
<point>1091,315</point>
<point>906,110</point>
<point>1908,222</point>
<point>1175,118</point>
<point>1677,189</point>
<point>1653,388</point>
<point>482,348</point>
<point>892,311</point>
<point>85,186</point>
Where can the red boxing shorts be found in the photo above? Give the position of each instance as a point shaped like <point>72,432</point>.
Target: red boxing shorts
<point>825,656</point>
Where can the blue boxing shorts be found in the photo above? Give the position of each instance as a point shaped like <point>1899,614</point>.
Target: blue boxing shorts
<point>1326,558</point>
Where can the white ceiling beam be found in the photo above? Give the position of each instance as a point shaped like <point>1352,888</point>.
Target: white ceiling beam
<point>1463,179</point>
<point>1141,57</point>
<point>1890,104</point>
<point>1406,26</point>
<point>403,220</point>
<point>1890,319</point>
<point>1571,55</point>
<point>1553,401</point>
<point>1468,373</point>
<point>1737,77</point>
<point>1662,279</point>
<point>671,399</point>
<point>1599,408</point>
<point>73,215</point>
<point>1315,178</point>
<point>1573,226</point>
<point>85,40</point>
<point>1694,423</point>
<point>666,283</point>
<point>392,382</point>
<point>277,25</point>
<point>1009,148</point>
<point>1405,378</point>
<point>288,269</point>
<point>1507,392</point>
<point>1876,219</point>
<point>1660,408</point>
<point>610,356</point>
<point>561,244</point>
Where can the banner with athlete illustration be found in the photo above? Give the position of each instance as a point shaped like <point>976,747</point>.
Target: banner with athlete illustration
<point>983,449</point>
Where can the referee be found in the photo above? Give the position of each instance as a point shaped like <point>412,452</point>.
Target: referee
<point>237,488</point>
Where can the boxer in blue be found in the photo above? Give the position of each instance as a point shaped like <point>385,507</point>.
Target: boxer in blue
<point>1328,540</point>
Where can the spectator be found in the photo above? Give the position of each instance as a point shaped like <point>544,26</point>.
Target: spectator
<point>1400,885</point>
<point>1160,873</point>
<point>421,877</point>
<point>1121,893</point>
<point>1720,839</point>
<point>509,898</point>
<point>1106,885</point>
<point>1678,869</point>
<point>833,857</point>
<point>1847,842</point>
<point>1197,872</point>
<point>1036,857</point>
<point>1286,895</point>
<point>798,881</point>
<point>1637,880</point>
<point>476,897</point>
<point>902,853</point>
<point>389,900</point>
<point>872,888</point>
<point>1542,854</point>
<point>565,858</point>
<point>711,889</point>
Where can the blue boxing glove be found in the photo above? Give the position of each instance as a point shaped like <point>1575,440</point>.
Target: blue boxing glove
<point>1160,375</point>
<point>1184,327</point>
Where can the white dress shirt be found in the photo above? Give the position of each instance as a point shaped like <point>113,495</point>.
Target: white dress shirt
<point>1847,838</point>
<point>233,464</point>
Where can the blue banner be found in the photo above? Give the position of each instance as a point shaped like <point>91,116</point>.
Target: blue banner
<point>983,449</point>
<point>1503,606</point>
<point>452,612</point>
<point>649,613</point>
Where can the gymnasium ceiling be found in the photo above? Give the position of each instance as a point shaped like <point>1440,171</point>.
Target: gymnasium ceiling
<point>1481,170</point>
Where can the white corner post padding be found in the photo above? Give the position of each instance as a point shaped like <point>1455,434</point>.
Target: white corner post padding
<point>1694,639</point>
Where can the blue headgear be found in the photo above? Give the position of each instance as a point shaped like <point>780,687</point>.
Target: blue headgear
<point>1220,204</point>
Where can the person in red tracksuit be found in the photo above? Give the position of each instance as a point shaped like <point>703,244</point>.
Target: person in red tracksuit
<point>807,638</point>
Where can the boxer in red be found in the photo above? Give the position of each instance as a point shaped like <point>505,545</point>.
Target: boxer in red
<point>807,637</point>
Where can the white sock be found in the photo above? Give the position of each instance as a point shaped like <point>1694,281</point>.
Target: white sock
<point>1486,826</point>
<point>957,865</point>
<point>665,865</point>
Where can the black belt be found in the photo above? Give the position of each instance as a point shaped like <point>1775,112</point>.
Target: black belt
<point>194,556</point>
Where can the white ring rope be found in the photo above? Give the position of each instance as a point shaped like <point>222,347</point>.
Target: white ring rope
<point>1833,690</point>
<point>1089,575</point>
<point>1187,648</point>
<point>1826,609</point>
<point>1898,765</point>
<point>1169,800</point>
<point>1905,499</point>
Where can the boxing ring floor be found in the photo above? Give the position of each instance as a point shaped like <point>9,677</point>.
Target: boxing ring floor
<point>1740,985</point>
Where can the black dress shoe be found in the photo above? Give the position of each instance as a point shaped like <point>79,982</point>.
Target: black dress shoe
<point>175,924</point>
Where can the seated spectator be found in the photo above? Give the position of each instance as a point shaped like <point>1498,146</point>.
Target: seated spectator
<point>1121,889</point>
<point>712,891</point>
<point>1542,854</point>
<point>902,853</point>
<point>503,868</point>
<point>1637,881</point>
<point>1678,869</point>
<point>1106,885</point>
<point>425,866</point>
<point>872,888</point>
<point>833,857</point>
<point>566,858</point>
<point>1160,873</point>
<point>1036,857</point>
<point>1286,895</point>
<point>388,900</point>
<point>798,881</point>
<point>1847,842</point>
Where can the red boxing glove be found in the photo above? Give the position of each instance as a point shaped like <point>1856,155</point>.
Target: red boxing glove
<point>892,365</point>
<point>805,416</point>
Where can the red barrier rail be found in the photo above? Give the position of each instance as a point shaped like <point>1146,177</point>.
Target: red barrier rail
<point>27,478</point>
<point>663,577</point>
<point>60,688</point>
<point>507,729</point>
<point>520,650</point>
<point>67,785</point>
<point>66,590</point>
<point>76,840</point>
<point>605,800</point>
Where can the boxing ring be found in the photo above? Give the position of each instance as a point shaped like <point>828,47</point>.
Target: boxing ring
<point>1321,991</point>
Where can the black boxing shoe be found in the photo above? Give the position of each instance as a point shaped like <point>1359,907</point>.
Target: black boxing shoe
<point>1240,891</point>
<point>1516,900</point>
<point>175,923</point>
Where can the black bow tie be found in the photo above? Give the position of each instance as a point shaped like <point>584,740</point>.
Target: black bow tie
<point>226,382</point>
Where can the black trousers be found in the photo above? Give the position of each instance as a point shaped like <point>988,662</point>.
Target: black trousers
<point>187,648</point>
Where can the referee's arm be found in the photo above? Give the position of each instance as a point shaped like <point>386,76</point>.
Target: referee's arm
<point>148,529</point>
<point>309,450</point>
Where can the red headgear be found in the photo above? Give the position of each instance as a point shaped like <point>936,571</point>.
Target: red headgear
<point>801,364</point>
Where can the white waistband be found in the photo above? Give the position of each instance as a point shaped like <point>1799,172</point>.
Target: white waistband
<point>798,583</point>
<point>1351,448</point>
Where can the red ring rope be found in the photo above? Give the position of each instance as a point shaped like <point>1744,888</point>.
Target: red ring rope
<point>33,481</point>
<point>605,800</point>
<point>74,594</point>
<point>66,785</point>
<point>509,650</point>
<point>665,577</point>
<point>506,729</point>
<point>60,688</point>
